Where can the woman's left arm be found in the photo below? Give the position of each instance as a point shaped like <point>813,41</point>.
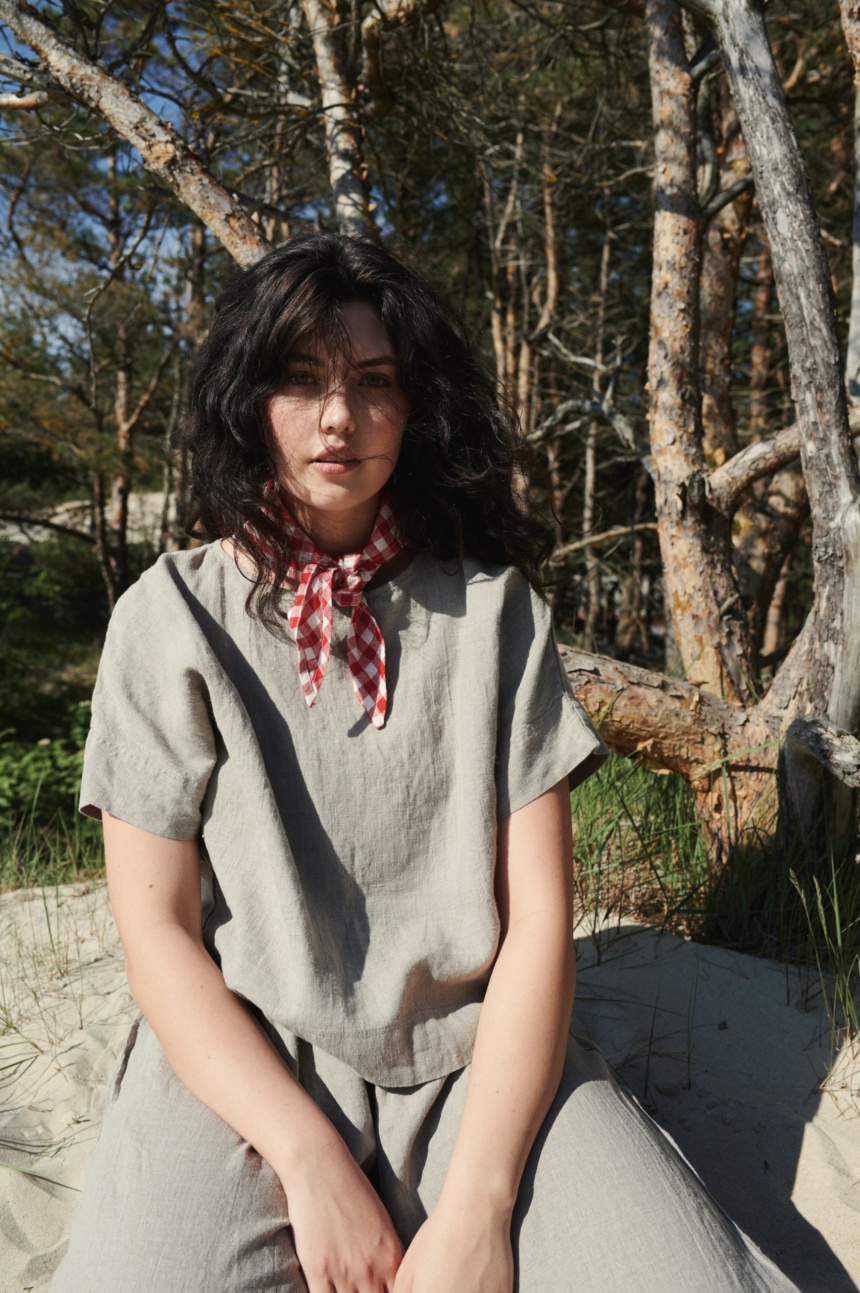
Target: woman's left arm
<point>464,1246</point>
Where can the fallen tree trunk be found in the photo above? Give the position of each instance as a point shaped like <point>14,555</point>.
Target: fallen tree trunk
<point>728,754</point>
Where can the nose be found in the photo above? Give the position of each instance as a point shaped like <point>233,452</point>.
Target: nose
<point>338,413</point>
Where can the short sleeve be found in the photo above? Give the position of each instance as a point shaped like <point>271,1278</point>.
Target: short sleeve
<point>544,733</point>
<point>151,745</point>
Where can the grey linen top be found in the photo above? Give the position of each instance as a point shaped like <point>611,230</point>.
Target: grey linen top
<point>351,897</point>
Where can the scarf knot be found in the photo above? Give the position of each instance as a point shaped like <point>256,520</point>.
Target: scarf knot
<point>347,586</point>
<point>322,579</point>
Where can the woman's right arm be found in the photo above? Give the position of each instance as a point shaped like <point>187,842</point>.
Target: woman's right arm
<point>344,1237</point>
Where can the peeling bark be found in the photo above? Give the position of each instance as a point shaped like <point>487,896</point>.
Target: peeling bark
<point>701,595</point>
<point>727,754</point>
<point>161,148</point>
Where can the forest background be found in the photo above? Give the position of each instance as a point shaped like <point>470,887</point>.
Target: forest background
<point>646,215</point>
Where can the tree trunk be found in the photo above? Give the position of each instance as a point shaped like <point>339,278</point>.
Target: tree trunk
<point>851,27</point>
<point>760,352</point>
<point>116,512</point>
<point>722,247</point>
<point>328,20</point>
<point>97,504</point>
<point>822,673</point>
<point>700,593</point>
<point>727,754</point>
<point>632,630</point>
<point>592,562</point>
<point>772,637</point>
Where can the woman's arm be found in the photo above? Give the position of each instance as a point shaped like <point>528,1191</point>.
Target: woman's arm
<point>344,1238</point>
<point>464,1247</point>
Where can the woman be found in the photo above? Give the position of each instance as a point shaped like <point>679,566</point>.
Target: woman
<point>347,715</point>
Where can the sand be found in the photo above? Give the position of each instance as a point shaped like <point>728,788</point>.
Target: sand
<point>731,1054</point>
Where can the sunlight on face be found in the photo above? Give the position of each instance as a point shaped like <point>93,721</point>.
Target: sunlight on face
<point>335,428</point>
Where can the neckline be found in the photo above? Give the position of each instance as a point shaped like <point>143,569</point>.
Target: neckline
<point>400,571</point>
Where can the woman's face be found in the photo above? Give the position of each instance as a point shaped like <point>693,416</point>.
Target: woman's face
<point>335,430</point>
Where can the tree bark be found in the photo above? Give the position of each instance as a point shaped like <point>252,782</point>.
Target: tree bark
<point>725,485</point>
<point>592,563</point>
<point>726,753</point>
<point>760,352</point>
<point>632,628</point>
<point>695,545</point>
<point>723,243</point>
<point>774,623</point>
<point>822,673</point>
<point>327,21</point>
<point>160,147</point>
<point>818,763</point>
<point>851,27</point>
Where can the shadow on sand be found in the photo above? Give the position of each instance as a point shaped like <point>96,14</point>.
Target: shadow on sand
<point>728,1055</point>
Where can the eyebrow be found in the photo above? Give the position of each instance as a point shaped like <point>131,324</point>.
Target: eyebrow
<point>375,362</point>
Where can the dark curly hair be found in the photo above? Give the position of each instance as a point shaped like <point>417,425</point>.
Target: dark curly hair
<point>459,482</point>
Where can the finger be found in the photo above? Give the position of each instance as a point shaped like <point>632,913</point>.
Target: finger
<point>320,1285</point>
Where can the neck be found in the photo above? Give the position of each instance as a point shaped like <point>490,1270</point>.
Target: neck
<point>336,533</point>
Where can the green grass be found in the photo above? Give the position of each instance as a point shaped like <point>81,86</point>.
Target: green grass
<point>637,845</point>
<point>66,848</point>
<point>639,852</point>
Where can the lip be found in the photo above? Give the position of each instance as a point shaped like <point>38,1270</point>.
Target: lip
<point>336,466</point>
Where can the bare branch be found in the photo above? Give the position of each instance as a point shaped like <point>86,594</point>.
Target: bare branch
<point>726,484</point>
<point>707,59</point>
<point>26,102</point>
<point>31,373</point>
<point>728,195</point>
<point>43,523</point>
<point>150,389</point>
<point>162,149</point>
<point>605,539</point>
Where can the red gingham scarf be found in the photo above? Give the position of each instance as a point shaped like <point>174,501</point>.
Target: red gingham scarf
<point>322,578</point>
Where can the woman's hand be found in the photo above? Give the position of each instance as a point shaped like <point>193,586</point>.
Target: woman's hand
<point>343,1235</point>
<point>459,1250</point>
<point>344,1239</point>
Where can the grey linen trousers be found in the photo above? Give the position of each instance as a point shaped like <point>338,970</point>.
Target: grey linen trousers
<point>177,1202</point>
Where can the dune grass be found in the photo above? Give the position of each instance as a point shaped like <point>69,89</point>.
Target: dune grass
<point>639,852</point>
<point>36,853</point>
